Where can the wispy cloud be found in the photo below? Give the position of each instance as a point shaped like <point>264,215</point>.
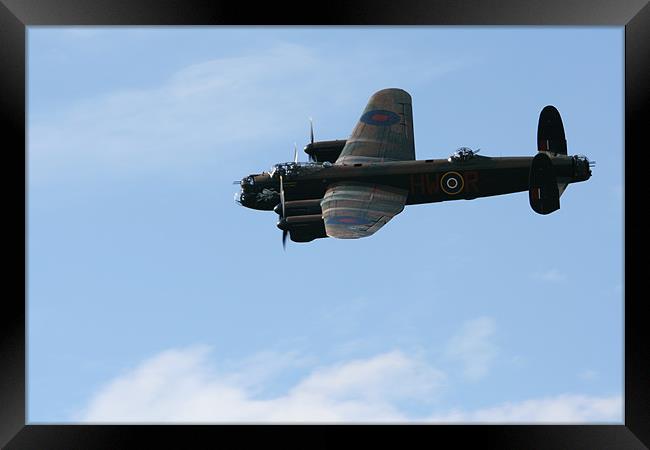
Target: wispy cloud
<point>183,386</point>
<point>208,111</point>
<point>553,275</point>
<point>473,346</point>
<point>566,408</point>
<point>198,112</point>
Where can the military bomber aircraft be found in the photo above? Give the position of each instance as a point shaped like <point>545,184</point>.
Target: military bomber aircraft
<point>351,188</point>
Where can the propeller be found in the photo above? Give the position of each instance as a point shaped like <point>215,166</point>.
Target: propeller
<point>295,160</point>
<point>284,232</point>
<point>282,195</point>
<point>311,130</point>
<point>311,137</point>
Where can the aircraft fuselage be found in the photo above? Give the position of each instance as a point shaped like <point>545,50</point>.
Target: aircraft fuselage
<point>427,181</point>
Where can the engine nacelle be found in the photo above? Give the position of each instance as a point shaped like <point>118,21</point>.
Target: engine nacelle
<point>299,208</point>
<point>303,228</point>
<point>325,151</point>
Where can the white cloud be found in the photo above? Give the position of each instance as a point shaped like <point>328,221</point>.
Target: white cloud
<point>263,365</point>
<point>391,375</point>
<point>566,408</point>
<point>181,386</point>
<point>552,276</point>
<point>473,347</point>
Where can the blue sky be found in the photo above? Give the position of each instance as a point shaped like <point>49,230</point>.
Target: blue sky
<point>152,297</point>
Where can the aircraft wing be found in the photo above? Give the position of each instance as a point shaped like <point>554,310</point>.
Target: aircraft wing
<point>384,131</point>
<point>353,210</point>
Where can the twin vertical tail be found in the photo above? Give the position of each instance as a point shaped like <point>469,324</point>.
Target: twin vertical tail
<point>552,170</point>
<point>543,191</point>
<point>550,132</point>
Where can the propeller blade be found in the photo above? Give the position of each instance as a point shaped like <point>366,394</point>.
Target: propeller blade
<point>236,182</point>
<point>295,152</point>
<point>311,130</point>
<point>282,195</point>
<point>284,232</point>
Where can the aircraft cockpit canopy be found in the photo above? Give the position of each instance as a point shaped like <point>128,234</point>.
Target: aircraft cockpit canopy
<point>289,169</point>
<point>463,154</point>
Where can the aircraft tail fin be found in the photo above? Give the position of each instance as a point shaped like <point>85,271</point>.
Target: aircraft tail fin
<point>545,188</point>
<point>543,191</point>
<point>550,132</point>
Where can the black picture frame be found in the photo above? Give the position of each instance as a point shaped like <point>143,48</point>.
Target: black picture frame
<point>16,15</point>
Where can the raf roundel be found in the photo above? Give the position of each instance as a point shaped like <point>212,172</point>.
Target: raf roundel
<point>347,220</point>
<point>380,117</point>
<point>452,183</point>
